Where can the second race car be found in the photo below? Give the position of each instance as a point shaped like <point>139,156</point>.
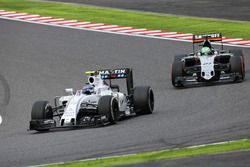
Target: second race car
<point>208,65</point>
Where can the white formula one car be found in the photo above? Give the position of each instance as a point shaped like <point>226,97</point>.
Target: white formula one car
<point>98,103</point>
<point>208,65</point>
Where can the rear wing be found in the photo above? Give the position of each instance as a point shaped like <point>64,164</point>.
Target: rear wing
<point>210,37</point>
<point>114,73</point>
<point>207,38</point>
<point>110,74</point>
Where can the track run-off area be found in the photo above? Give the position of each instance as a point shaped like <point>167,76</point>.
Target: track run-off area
<point>40,61</point>
<point>109,28</point>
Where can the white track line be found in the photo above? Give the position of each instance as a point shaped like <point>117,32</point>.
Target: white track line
<point>50,20</point>
<point>241,42</point>
<point>113,29</point>
<point>117,29</point>
<point>231,39</point>
<point>91,25</point>
<point>187,38</point>
<point>36,18</point>
<point>15,14</point>
<point>3,13</point>
<point>25,17</point>
<point>163,33</point>
<point>179,35</point>
<point>118,33</point>
<point>132,30</point>
<point>105,27</point>
<point>65,22</point>
<point>1,119</point>
<point>76,24</point>
<point>149,32</point>
<point>120,30</point>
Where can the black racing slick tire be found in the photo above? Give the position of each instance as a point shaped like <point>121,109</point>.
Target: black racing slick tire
<point>108,106</point>
<point>41,110</point>
<point>237,63</point>
<point>177,71</point>
<point>143,97</point>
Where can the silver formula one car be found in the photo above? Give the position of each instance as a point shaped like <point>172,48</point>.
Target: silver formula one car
<point>99,102</point>
<point>208,65</point>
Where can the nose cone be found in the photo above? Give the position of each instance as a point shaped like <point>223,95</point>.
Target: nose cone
<point>207,67</point>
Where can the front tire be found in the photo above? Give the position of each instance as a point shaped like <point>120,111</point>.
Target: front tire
<point>108,106</point>
<point>143,97</point>
<point>177,71</point>
<point>41,110</point>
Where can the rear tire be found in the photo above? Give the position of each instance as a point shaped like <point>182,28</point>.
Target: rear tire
<point>177,71</point>
<point>237,62</point>
<point>143,100</point>
<point>108,106</point>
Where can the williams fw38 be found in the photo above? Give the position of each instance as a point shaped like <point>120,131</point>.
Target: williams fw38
<point>99,102</point>
<point>208,65</point>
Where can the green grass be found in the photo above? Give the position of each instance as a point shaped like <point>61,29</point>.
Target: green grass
<point>129,18</point>
<point>166,154</point>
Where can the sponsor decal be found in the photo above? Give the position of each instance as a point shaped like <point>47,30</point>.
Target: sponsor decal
<point>208,36</point>
<point>116,73</point>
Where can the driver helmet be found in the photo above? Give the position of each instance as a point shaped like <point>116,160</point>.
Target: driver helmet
<point>206,51</point>
<point>88,89</point>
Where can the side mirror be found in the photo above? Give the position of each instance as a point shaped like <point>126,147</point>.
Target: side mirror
<point>69,91</point>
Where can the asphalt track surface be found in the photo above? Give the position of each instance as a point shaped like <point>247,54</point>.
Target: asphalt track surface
<point>230,9</point>
<point>39,61</point>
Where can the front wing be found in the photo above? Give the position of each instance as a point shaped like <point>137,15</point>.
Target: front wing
<point>46,124</point>
<point>192,80</point>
